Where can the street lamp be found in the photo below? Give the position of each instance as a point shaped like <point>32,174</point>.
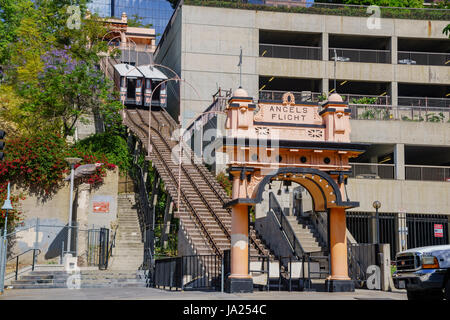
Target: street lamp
<point>72,162</point>
<point>6,206</point>
<point>377,204</point>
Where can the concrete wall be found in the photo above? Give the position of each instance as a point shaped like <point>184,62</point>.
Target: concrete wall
<point>400,195</point>
<point>406,132</point>
<point>204,44</point>
<point>53,214</point>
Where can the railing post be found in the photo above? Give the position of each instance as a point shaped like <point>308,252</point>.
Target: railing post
<point>181,274</point>
<point>222,271</point>
<point>17,266</point>
<point>34,259</point>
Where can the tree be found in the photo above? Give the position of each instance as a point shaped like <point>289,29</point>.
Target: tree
<point>173,3</point>
<point>53,73</point>
<point>446,30</point>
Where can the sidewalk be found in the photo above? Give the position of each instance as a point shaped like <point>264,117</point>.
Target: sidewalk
<point>157,294</point>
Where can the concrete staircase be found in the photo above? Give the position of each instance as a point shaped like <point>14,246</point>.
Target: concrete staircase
<point>83,279</point>
<point>306,235</point>
<point>128,252</point>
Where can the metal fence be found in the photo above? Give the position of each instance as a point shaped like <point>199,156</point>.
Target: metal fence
<point>362,226</point>
<point>372,171</point>
<point>424,102</point>
<point>98,248</point>
<point>276,95</point>
<point>360,55</point>
<point>360,256</point>
<point>289,51</point>
<point>404,113</point>
<point>424,58</point>
<point>196,272</point>
<point>421,230</point>
<point>427,173</point>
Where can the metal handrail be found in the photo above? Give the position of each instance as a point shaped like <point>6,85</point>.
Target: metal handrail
<point>212,187</point>
<point>426,166</point>
<point>221,224</point>
<point>169,172</point>
<point>372,164</point>
<point>423,52</point>
<point>20,254</point>
<point>112,245</point>
<point>289,46</point>
<point>357,49</point>
<point>283,227</point>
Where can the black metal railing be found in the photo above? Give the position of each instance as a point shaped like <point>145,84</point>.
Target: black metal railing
<point>195,272</point>
<point>285,226</point>
<point>98,248</point>
<point>16,271</point>
<point>362,226</point>
<point>360,256</point>
<point>103,249</point>
<point>423,230</point>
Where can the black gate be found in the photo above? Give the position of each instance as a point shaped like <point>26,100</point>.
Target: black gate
<point>421,230</point>
<point>196,272</point>
<point>98,241</point>
<point>360,256</point>
<point>362,227</point>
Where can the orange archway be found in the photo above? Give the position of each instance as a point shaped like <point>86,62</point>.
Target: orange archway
<point>291,141</point>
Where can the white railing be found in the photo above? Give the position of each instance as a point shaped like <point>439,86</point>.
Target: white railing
<point>372,171</point>
<point>427,173</point>
<point>424,58</point>
<point>289,51</point>
<point>360,55</point>
<point>404,113</point>
<point>412,172</point>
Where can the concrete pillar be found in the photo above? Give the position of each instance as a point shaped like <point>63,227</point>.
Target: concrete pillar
<point>339,279</point>
<point>402,243</point>
<point>385,266</point>
<point>83,211</point>
<point>394,50</point>
<point>399,161</point>
<point>325,86</point>
<point>325,50</point>
<point>325,57</point>
<point>394,97</point>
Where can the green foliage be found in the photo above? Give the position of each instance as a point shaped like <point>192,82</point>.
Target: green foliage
<point>53,75</point>
<point>388,3</point>
<point>376,113</point>
<point>136,21</point>
<point>365,100</point>
<point>327,10</point>
<point>225,182</point>
<point>114,147</point>
<point>446,30</point>
<point>37,162</point>
<point>322,97</point>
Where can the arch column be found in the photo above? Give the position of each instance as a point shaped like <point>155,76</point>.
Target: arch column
<point>239,280</point>
<point>339,280</point>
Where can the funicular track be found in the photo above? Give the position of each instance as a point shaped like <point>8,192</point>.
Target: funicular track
<point>206,223</point>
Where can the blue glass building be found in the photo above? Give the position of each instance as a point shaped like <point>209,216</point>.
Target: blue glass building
<point>156,12</point>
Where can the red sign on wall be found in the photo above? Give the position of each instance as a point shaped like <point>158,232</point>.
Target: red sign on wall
<point>438,231</point>
<point>102,207</point>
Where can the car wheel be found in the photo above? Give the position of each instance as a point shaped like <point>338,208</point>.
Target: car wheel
<point>447,290</point>
<point>414,295</point>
